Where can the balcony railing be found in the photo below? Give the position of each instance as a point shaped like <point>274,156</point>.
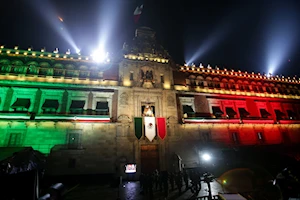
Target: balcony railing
<point>195,117</point>
<point>55,72</point>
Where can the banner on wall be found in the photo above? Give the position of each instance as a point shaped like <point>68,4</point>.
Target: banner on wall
<point>150,129</point>
<point>138,127</point>
<point>161,127</point>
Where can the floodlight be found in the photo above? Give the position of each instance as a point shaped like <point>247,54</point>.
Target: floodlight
<point>206,157</point>
<point>100,56</point>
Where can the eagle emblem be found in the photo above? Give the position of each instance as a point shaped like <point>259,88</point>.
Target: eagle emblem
<point>150,125</point>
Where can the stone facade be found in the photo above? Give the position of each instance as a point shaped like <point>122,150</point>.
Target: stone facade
<point>97,135</point>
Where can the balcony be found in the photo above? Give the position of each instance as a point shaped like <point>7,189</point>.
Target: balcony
<point>55,72</point>
<point>194,117</point>
<point>84,116</point>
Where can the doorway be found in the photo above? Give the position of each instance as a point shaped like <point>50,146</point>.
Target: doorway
<point>149,158</point>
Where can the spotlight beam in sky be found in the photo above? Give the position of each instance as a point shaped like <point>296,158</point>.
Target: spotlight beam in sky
<point>281,34</point>
<point>109,12</point>
<point>47,11</point>
<point>224,28</point>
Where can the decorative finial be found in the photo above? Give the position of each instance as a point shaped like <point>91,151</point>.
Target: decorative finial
<point>56,50</point>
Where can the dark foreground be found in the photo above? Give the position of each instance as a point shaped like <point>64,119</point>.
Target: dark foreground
<point>131,190</point>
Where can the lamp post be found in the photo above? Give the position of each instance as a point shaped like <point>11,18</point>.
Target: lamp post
<point>208,177</point>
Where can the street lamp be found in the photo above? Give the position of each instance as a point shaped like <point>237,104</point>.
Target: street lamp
<point>206,157</point>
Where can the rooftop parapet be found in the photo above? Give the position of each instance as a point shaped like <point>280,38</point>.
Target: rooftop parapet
<point>238,74</point>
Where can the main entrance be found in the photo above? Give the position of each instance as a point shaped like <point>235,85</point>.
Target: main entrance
<point>149,158</point>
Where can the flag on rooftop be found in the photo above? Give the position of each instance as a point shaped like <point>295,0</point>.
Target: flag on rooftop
<point>137,13</point>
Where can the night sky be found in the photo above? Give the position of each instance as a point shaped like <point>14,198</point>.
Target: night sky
<point>247,35</point>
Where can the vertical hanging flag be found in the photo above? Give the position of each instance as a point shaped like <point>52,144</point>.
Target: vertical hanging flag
<point>161,127</point>
<point>138,127</point>
<point>150,130</point>
<point>137,13</point>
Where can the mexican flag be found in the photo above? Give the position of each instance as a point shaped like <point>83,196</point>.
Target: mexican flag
<point>137,13</point>
<point>150,128</point>
<point>138,127</point>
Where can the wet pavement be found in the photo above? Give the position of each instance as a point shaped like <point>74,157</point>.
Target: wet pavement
<point>131,191</point>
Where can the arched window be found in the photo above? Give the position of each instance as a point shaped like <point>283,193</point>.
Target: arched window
<point>232,84</point>
<point>200,81</point>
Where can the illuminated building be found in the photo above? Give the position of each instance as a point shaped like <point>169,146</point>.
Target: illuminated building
<point>81,113</point>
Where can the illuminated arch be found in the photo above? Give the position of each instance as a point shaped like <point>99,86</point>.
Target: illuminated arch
<point>32,63</point>
<point>224,80</point>
<point>17,62</point>
<point>83,67</point>
<point>200,78</point>
<point>208,78</point>
<point>45,65</point>
<point>58,65</point>
<point>192,77</point>
<point>216,79</point>
<point>5,62</point>
<point>231,81</point>
<point>70,66</point>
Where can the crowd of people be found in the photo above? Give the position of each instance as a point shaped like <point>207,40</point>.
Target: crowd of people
<point>165,182</point>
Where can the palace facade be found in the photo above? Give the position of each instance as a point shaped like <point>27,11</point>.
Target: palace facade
<point>82,114</point>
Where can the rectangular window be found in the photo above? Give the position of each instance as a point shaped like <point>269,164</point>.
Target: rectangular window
<point>74,140</point>
<point>50,106</point>
<point>279,115</point>
<point>264,113</point>
<point>217,111</point>
<point>14,140</point>
<point>102,108</point>
<point>243,113</point>
<point>131,76</point>
<point>148,110</point>
<point>77,106</point>
<point>21,104</point>
<point>162,80</point>
<point>291,114</point>
<point>230,112</point>
<point>235,137</point>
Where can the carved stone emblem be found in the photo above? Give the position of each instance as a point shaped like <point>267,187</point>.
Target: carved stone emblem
<point>124,98</point>
<point>170,100</point>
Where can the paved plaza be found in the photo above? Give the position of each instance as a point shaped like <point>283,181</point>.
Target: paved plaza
<point>131,191</point>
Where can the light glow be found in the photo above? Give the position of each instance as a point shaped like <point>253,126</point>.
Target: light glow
<point>100,56</point>
<point>206,157</point>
